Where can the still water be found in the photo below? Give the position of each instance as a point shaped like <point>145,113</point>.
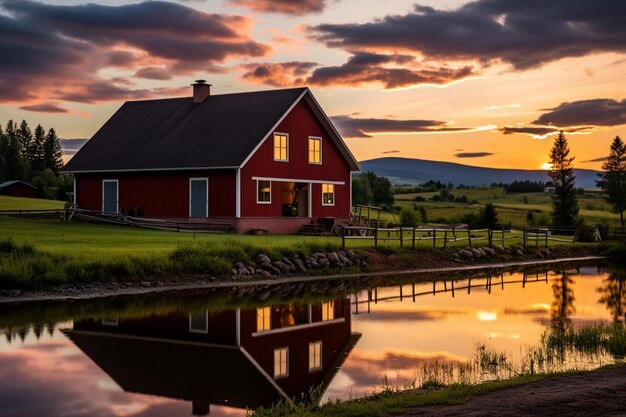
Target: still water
<point>223,353</point>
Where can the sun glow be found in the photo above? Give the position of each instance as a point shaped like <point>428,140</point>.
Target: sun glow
<point>547,166</point>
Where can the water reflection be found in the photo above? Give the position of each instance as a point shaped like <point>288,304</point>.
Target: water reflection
<point>221,354</point>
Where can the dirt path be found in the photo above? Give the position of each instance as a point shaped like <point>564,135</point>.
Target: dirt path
<point>599,393</point>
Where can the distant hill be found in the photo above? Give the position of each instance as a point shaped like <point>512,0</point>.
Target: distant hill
<point>416,171</point>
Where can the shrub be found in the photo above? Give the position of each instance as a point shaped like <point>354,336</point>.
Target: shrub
<point>419,198</point>
<point>585,233</point>
<point>408,218</point>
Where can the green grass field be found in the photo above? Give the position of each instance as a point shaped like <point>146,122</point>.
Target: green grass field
<point>512,208</point>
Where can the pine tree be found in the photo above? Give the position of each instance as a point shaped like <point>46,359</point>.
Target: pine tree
<point>613,179</point>
<point>489,216</point>
<point>25,136</point>
<point>3,152</point>
<point>564,202</point>
<point>36,153</point>
<point>53,154</point>
<point>17,166</point>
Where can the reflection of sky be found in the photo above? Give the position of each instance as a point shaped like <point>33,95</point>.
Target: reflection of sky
<point>52,377</point>
<point>398,337</point>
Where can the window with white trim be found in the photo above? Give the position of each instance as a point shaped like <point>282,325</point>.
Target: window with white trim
<point>315,150</point>
<point>263,192</point>
<point>263,319</point>
<point>315,356</point>
<point>199,322</point>
<point>281,362</point>
<point>328,194</point>
<point>328,311</point>
<point>281,147</point>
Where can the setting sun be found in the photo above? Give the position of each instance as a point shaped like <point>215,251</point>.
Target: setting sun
<point>547,166</point>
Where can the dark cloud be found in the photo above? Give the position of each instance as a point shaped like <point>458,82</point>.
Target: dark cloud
<point>392,151</point>
<point>472,154</point>
<point>543,132</point>
<point>525,34</point>
<point>595,112</point>
<point>62,49</point>
<point>284,74</point>
<point>153,73</point>
<point>290,7</point>
<point>401,71</point>
<point>71,146</point>
<point>45,108</point>
<point>600,159</point>
<point>353,127</point>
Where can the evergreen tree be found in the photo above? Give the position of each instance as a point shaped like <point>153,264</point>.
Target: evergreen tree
<point>25,136</point>
<point>564,202</point>
<point>17,166</point>
<point>53,154</point>
<point>36,153</point>
<point>613,179</point>
<point>3,152</point>
<point>489,216</point>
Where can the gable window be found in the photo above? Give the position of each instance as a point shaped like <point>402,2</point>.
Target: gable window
<point>328,194</point>
<point>328,311</point>
<point>281,362</point>
<point>315,356</point>
<point>263,192</point>
<point>281,147</point>
<point>263,319</point>
<point>315,150</point>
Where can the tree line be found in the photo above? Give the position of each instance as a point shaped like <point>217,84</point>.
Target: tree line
<point>34,157</point>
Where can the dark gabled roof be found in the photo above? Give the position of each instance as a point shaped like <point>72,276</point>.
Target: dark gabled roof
<point>9,183</point>
<point>176,133</point>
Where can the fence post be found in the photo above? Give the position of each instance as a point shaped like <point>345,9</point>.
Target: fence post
<point>445,239</point>
<point>502,236</point>
<point>401,238</point>
<point>524,237</point>
<point>547,237</point>
<point>413,243</point>
<point>376,236</point>
<point>343,239</point>
<point>434,238</point>
<point>490,237</point>
<point>469,237</point>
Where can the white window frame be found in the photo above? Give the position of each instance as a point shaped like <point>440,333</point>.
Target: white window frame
<point>257,192</point>
<point>206,211</point>
<point>269,319</point>
<point>200,331</point>
<point>319,138</point>
<point>117,196</point>
<point>286,373</point>
<point>334,195</point>
<point>274,146</point>
<point>111,322</point>
<point>312,367</point>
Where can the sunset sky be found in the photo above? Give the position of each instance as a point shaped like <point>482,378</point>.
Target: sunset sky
<point>483,83</point>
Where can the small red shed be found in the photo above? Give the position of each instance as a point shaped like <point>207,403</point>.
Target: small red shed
<point>260,160</point>
<point>17,188</point>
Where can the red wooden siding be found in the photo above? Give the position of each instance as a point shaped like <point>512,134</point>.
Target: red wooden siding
<point>19,190</point>
<point>159,194</point>
<point>299,124</point>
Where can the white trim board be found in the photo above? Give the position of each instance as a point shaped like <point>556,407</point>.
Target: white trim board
<point>298,180</point>
<point>101,171</point>
<point>298,327</point>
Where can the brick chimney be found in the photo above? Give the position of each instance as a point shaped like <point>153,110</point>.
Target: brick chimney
<point>201,90</point>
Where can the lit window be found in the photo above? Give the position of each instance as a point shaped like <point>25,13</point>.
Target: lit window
<point>263,317</point>
<point>328,194</point>
<point>281,147</point>
<point>199,322</point>
<point>264,192</point>
<point>281,362</point>
<point>328,311</point>
<point>315,150</point>
<point>315,356</point>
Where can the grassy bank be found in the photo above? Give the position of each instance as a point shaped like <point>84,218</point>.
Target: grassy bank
<point>563,349</point>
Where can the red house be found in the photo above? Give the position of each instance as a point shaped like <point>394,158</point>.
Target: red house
<point>260,160</point>
<point>243,358</point>
<point>17,188</point>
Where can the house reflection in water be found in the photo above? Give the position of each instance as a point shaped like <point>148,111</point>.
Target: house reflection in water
<point>242,358</point>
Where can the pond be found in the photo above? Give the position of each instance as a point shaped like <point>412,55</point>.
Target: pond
<point>225,352</point>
